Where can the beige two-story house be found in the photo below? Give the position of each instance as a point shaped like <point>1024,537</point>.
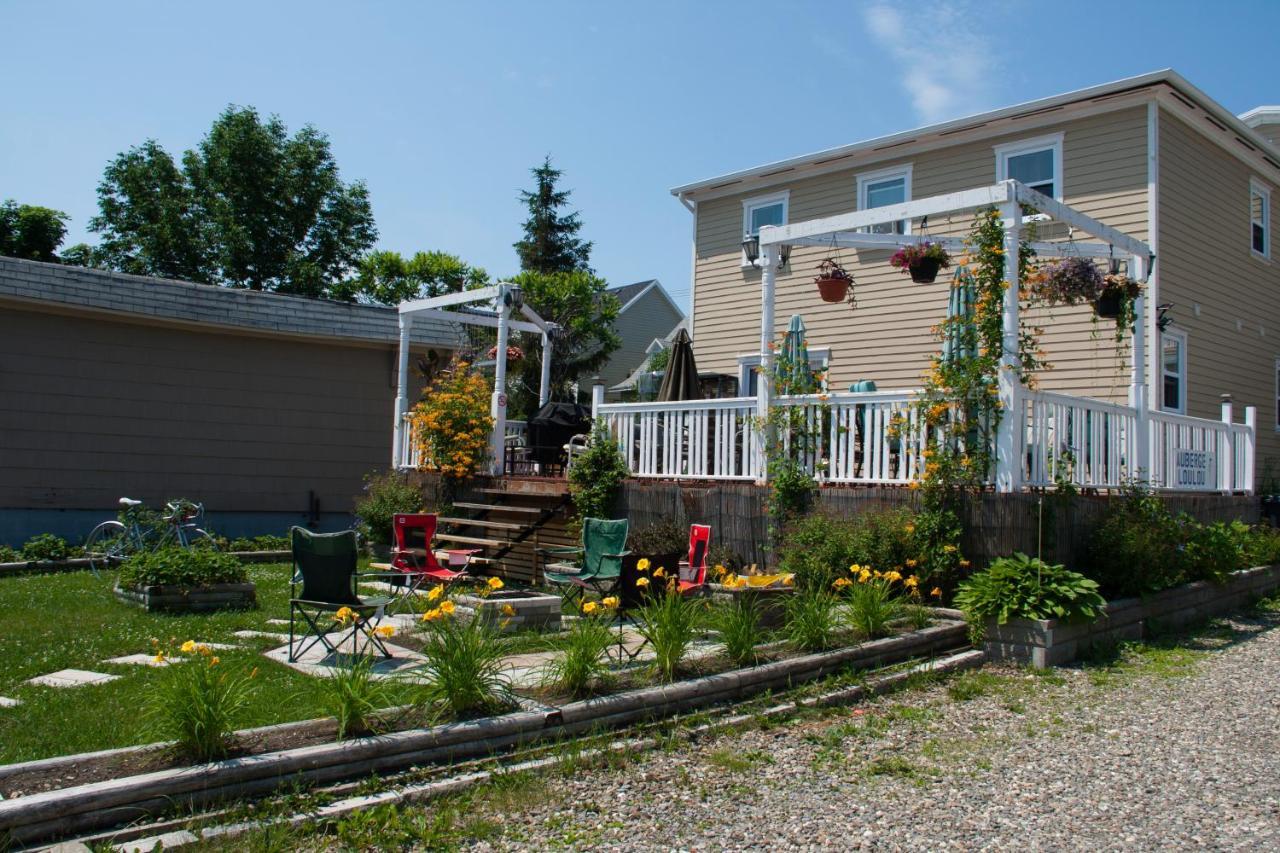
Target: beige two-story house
<point>1152,156</point>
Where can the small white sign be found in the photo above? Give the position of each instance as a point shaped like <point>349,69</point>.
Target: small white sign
<point>502,401</point>
<point>1191,469</point>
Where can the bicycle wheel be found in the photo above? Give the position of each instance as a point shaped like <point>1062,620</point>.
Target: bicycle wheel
<point>106,544</point>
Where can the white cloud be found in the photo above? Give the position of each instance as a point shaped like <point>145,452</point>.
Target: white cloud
<point>944,62</point>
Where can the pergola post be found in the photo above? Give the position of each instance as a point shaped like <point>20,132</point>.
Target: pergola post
<point>1138,397</point>
<point>1007,438</point>
<point>402,397</point>
<point>498,403</point>
<point>764,381</point>
<point>544,386</point>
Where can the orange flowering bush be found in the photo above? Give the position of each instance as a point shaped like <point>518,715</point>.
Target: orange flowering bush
<point>453,424</point>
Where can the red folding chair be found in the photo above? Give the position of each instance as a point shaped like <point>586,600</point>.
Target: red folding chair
<point>693,572</point>
<point>412,560</point>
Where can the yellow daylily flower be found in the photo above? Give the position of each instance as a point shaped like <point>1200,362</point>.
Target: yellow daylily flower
<point>447,608</point>
<point>589,607</point>
<point>660,572</point>
<point>508,610</point>
<point>189,646</point>
<point>642,581</point>
<point>436,592</point>
<point>385,631</point>
<point>936,592</point>
<point>431,615</point>
<point>840,583</point>
<point>911,582</point>
<point>495,583</point>
<point>642,565</point>
<point>610,601</point>
<point>158,658</point>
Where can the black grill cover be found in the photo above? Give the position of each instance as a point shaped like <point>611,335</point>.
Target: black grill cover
<point>552,427</point>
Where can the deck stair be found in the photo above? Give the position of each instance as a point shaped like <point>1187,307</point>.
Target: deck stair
<point>505,525</point>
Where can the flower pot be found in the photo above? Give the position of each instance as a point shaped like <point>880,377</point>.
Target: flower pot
<point>1107,304</point>
<point>833,289</point>
<point>924,271</point>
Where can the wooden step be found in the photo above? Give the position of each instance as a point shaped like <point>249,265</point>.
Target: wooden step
<point>526,510</point>
<point>524,495</point>
<point>480,522</point>
<point>471,540</point>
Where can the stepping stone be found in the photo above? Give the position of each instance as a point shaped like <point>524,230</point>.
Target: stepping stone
<point>6,702</point>
<point>72,678</point>
<point>139,659</point>
<point>261,635</point>
<point>319,662</point>
<point>284,622</point>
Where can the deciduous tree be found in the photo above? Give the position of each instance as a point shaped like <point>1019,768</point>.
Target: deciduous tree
<point>31,232</point>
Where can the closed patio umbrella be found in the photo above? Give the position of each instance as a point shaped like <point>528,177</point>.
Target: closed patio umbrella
<point>961,339</point>
<point>794,375</point>
<point>680,382</point>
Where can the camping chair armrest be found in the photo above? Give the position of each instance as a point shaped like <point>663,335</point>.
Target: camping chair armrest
<point>561,550</point>
<point>617,556</point>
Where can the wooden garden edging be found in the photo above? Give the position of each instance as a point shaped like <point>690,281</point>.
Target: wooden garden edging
<point>1047,642</point>
<point>54,814</point>
<point>75,564</point>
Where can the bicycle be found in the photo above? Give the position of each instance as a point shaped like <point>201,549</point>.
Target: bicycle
<point>140,530</point>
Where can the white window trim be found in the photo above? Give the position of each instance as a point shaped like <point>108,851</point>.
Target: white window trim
<point>903,171</point>
<point>1257,186</point>
<point>1181,335</point>
<point>819,357</point>
<point>1276,413</point>
<point>1029,146</point>
<point>749,204</point>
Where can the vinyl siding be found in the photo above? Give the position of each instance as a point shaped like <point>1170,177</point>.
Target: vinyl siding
<point>1225,299</point>
<point>888,337</point>
<point>93,408</point>
<point>652,316</point>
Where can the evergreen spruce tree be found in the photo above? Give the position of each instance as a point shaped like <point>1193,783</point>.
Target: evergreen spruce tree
<point>551,242</point>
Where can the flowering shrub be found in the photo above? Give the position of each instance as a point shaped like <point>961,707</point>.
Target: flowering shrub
<point>453,424</point>
<point>909,256</point>
<point>197,700</point>
<point>463,672</point>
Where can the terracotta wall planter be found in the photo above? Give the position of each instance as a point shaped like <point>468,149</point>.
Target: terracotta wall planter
<point>177,599</point>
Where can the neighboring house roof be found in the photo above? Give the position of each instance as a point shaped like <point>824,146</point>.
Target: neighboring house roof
<point>630,294</point>
<point>135,297</point>
<point>1168,76</point>
<point>1261,115</point>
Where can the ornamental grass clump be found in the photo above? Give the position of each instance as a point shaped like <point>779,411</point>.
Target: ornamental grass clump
<point>1022,587</point>
<point>463,672</point>
<point>197,700</point>
<point>812,619</point>
<point>353,697</point>
<point>583,666</point>
<point>670,622</point>
<point>876,599</point>
<point>738,624</point>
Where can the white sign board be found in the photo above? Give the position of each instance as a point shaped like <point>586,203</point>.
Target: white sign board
<point>1193,470</point>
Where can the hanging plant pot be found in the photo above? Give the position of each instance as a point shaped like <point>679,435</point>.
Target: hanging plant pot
<point>1108,303</point>
<point>833,289</point>
<point>925,271</point>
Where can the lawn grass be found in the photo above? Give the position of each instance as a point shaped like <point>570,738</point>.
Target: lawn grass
<point>72,620</point>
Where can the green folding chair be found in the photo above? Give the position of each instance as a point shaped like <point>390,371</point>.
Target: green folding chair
<point>325,564</point>
<point>595,565</point>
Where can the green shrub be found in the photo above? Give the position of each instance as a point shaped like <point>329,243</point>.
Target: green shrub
<point>352,696</point>
<point>10,555</point>
<point>1138,548</point>
<point>661,537</point>
<point>45,546</point>
<point>1261,544</point>
<point>738,624</point>
<point>582,665</point>
<point>873,604</point>
<point>188,567</point>
<point>812,619</point>
<point>670,622</point>
<point>384,496</point>
<point>196,701</point>
<point>256,543</point>
<point>596,476</point>
<point>1215,550</point>
<point>1023,587</point>
<point>463,671</point>
<point>820,548</point>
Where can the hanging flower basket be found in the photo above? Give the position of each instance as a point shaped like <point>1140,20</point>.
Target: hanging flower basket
<point>922,261</point>
<point>833,281</point>
<point>1069,281</point>
<point>514,353</point>
<point>1117,295</point>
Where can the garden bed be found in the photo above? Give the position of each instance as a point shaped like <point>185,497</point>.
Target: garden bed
<point>77,564</point>
<point>128,787</point>
<point>1047,642</point>
<point>197,599</point>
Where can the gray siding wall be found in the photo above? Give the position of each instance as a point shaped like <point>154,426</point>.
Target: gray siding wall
<point>651,317</point>
<point>92,409</point>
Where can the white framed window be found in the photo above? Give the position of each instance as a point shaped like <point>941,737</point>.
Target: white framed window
<point>749,374</point>
<point>1260,219</point>
<point>883,188</point>
<point>763,210</point>
<point>1278,395</point>
<point>1035,162</point>
<point>1173,371</point>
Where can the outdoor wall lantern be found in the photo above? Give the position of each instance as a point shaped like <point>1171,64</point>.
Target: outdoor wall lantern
<point>514,298</point>
<point>751,248</point>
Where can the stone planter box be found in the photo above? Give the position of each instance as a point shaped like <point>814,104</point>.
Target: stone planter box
<point>177,599</point>
<point>1047,642</point>
<point>770,602</point>
<point>537,611</point>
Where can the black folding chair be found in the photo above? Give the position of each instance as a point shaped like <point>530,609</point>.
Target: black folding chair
<point>326,565</point>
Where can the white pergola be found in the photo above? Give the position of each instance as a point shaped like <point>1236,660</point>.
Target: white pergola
<point>504,299</point>
<point>850,230</point>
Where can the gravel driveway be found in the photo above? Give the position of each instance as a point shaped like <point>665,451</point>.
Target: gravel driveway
<point>1171,746</point>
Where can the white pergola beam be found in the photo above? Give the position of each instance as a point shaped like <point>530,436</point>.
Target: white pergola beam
<point>1062,213</point>
<point>859,240</point>
<point>481,294</point>
<point>473,319</point>
<point>542,324</point>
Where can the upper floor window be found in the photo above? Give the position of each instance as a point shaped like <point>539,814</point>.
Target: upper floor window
<point>761,211</point>
<point>883,188</point>
<point>1260,219</point>
<point>1035,162</point>
<point>1173,370</point>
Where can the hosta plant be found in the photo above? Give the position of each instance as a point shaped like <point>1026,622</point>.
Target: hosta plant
<point>1022,587</point>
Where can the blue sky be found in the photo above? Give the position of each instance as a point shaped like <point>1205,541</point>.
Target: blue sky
<point>442,109</point>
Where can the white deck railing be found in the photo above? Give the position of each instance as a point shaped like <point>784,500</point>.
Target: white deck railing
<point>411,451</point>
<point>1091,443</point>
